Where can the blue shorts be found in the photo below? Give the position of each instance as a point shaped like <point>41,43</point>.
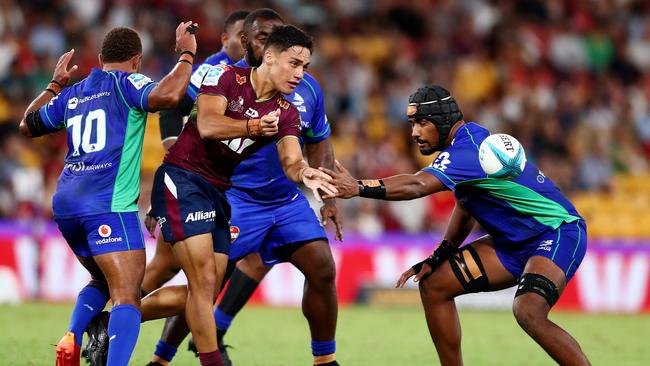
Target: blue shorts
<point>185,204</point>
<point>565,246</point>
<point>268,228</point>
<point>103,233</point>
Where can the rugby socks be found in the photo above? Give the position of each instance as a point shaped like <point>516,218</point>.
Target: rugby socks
<point>210,358</point>
<point>324,352</point>
<point>90,302</point>
<point>240,289</point>
<point>165,351</point>
<point>123,330</point>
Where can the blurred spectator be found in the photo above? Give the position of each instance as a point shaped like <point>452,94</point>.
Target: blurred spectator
<point>568,79</point>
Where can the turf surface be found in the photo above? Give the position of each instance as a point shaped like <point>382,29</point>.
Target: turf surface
<point>366,336</point>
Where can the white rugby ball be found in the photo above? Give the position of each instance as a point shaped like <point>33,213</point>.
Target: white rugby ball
<point>502,156</point>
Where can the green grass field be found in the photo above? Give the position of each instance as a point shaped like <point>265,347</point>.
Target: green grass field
<point>366,336</point>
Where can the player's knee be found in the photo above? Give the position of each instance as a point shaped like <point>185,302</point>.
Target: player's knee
<point>203,283</point>
<point>528,317</point>
<point>323,278</point>
<point>99,284</point>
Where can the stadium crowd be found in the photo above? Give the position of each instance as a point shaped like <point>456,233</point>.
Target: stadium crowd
<point>570,79</point>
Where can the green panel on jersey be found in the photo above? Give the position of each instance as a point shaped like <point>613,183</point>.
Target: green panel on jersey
<point>524,200</point>
<point>127,182</point>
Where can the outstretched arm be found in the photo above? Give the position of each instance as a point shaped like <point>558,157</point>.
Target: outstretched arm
<point>396,188</point>
<point>297,170</point>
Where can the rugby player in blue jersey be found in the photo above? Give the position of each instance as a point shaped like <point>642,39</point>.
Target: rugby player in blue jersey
<point>95,205</point>
<point>271,216</point>
<point>536,238</point>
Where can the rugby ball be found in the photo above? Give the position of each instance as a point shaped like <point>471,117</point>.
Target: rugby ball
<point>502,156</point>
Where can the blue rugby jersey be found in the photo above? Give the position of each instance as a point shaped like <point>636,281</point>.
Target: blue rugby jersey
<point>199,71</point>
<point>104,116</point>
<point>511,211</point>
<point>259,177</point>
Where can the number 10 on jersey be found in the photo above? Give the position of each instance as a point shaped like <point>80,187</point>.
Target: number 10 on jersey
<point>95,119</point>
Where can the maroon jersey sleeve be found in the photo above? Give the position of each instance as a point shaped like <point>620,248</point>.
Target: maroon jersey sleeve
<point>289,123</point>
<point>218,81</point>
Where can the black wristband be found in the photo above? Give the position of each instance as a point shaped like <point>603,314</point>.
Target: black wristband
<point>51,91</point>
<point>57,83</point>
<point>187,52</point>
<point>184,60</point>
<point>372,188</point>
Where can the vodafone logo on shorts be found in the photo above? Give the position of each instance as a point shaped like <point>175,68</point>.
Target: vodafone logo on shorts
<point>104,231</point>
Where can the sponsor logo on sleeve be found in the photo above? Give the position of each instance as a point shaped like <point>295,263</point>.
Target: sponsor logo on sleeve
<point>214,74</point>
<point>139,80</point>
<point>199,74</point>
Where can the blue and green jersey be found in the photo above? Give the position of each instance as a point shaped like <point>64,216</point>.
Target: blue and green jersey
<point>511,211</point>
<point>104,116</point>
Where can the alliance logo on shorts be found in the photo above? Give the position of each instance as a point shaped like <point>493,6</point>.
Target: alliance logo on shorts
<point>105,232</point>
<point>201,215</point>
<point>234,233</point>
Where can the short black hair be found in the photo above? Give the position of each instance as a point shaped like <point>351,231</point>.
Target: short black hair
<point>284,37</point>
<point>234,17</point>
<point>120,44</point>
<point>262,13</point>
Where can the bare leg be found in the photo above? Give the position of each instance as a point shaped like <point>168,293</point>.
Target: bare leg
<point>162,268</point>
<point>438,293</point>
<point>319,302</point>
<point>531,311</point>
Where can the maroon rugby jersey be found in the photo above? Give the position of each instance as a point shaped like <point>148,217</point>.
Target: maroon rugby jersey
<point>216,160</point>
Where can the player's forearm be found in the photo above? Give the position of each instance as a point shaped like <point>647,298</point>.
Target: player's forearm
<point>459,227</point>
<point>35,105</point>
<point>321,154</point>
<point>404,187</point>
<point>220,127</point>
<point>294,169</point>
<point>171,89</point>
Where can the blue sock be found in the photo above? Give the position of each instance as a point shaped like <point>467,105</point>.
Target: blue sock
<point>222,319</point>
<point>90,302</point>
<point>321,348</point>
<point>123,329</point>
<point>165,351</point>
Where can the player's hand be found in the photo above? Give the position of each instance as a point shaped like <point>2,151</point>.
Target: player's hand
<point>185,41</point>
<point>423,273</point>
<point>315,180</point>
<point>61,73</point>
<point>328,211</point>
<point>346,185</point>
<point>150,222</point>
<point>269,123</point>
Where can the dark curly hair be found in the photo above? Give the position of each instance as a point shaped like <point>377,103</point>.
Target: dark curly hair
<point>120,44</point>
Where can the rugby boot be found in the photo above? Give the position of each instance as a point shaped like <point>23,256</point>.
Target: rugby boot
<point>67,351</point>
